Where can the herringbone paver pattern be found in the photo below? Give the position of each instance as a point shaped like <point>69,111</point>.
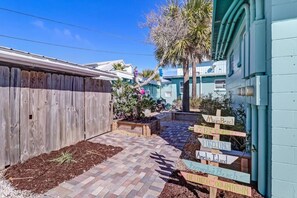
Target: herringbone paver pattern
<point>140,170</point>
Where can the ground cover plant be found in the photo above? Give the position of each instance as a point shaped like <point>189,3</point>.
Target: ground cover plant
<point>44,172</point>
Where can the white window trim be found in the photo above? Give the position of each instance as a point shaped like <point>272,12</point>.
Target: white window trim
<point>219,89</point>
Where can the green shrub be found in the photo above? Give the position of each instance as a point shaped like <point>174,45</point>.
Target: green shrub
<point>195,103</point>
<point>129,103</point>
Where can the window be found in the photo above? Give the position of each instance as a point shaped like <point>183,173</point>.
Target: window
<point>181,86</point>
<point>231,64</point>
<point>220,85</point>
<point>242,51</point>
<point>168,94</point>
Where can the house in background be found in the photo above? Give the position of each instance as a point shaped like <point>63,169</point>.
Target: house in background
<point>211,78</point>
<point>259,41</point>
<point>126,74</point>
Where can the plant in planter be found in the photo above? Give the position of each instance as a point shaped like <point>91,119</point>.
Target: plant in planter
<point>130,103</point>
<point>129,107</point>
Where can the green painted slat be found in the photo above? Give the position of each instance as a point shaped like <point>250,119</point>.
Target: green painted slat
<point>217,171</point>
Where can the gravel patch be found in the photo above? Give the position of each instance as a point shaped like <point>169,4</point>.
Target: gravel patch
<point>6,190</point>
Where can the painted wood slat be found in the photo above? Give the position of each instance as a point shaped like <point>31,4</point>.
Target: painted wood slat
<point>24,115</point>
<point>215,144</point>
<point>4,117</point>
<point>213,157</point>
<point>219,119</point>
<point>14,106</point>
<point>217,171</point>
<point>235,188</point>
<point>212,131</point>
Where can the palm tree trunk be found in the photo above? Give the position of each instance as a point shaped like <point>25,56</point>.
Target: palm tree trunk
<point>194,80</point>
<point>186,91</point>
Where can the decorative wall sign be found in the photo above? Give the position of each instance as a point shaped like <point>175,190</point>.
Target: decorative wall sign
<point>217,171</point>
<point>211,131</point>
<point>219,158</point>
<point>236,188</point>
<point>219,119</point>
<point>215,144</point>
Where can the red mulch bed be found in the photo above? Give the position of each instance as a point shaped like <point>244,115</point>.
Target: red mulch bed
<point>40,174</point>
<point>177,186</point>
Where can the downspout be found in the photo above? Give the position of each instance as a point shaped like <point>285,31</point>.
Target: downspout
<point>252,10</point>
<point>228,24</point>
<point>259,9</point>
<point>254,143</point>
<point>248,127</point>
<point>244,7</point>
<point>222,26</point>
<point>262,150</point>
<point>200,78</point>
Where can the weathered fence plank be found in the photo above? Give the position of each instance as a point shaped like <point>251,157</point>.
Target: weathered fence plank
<point>14,105</point>
<point>47,102</point>
<point>41,112</point>
<point>55,116</point>
<point>78,92</point>
<point>4,117</point>
<point>68,136</point>
<point>62,112</point>
<point>24,115</point>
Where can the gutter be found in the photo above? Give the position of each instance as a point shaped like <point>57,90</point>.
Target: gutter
<point>23,59</point>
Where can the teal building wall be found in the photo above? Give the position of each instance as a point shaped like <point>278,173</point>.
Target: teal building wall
<point>172,90</point>
<point>262,56</point>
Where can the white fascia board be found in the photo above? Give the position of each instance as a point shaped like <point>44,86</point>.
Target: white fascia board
<point>43,63</point>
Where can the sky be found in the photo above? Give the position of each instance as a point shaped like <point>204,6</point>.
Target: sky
<point>114,24</point>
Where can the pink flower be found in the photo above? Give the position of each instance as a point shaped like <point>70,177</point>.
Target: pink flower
<point>142,91</point>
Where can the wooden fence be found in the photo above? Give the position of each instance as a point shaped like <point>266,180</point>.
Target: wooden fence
<point>41,112</point>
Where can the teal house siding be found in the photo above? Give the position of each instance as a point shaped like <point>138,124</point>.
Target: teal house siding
<point>283,94</point>
<point>262,74</point>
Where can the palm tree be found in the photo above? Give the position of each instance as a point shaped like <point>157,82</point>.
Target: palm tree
<point>148,73</point>
<point>119,66</point>
<point>198,14</point>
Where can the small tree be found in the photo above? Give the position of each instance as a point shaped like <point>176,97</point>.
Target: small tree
<point>119,66</point>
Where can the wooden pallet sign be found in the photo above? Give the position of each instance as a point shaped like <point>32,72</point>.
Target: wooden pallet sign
<point>219,119</point>
<point>217,171</point>
<point>215,144</point>
<point>235,188</point>
<point>212,131</point>
<point>214,157</point>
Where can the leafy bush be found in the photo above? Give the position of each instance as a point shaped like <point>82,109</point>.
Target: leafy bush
<point>195,103</point>
<point>130,103</point>
<point>177,104</point>
<point>209,105</point>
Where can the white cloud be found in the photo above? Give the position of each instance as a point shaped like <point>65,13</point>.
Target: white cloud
<point>39,24</point>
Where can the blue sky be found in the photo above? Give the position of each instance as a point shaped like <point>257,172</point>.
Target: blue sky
<point>116,17</point>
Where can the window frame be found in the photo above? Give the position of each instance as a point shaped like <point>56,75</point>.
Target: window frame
<point>219,89</point>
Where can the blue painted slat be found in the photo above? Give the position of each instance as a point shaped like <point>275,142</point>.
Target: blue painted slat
<point>217,171</point>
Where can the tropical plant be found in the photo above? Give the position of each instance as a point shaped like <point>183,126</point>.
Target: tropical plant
<point>198,13</point>
<point>119,66</point>
<point>148,73</point>
<point>65,157</point>
<point>129,102</point>
<point>180,33</point>
<point>195,103</point>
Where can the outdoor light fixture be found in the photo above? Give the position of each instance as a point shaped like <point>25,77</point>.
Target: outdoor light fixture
<point>249,91</point>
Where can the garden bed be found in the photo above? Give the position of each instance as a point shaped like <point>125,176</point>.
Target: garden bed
<point>186,116</point>
<point>177,186</point>
<point>46,171</point>
<point>142,127</point>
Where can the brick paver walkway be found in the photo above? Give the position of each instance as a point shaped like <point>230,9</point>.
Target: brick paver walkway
<point>140,170</point>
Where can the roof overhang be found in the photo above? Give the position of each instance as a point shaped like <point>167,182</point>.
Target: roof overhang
<point>30,61</point>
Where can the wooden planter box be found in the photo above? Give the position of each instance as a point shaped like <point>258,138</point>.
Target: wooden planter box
<point>186,116</point>
<point>142,129</point>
